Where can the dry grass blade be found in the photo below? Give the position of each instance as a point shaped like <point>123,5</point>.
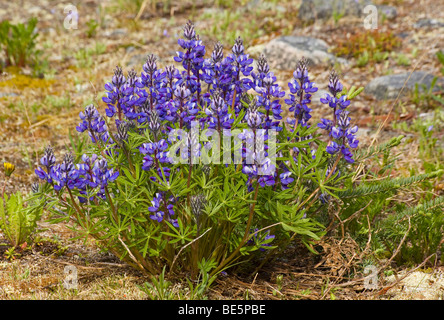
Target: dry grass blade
<point>189,243</point>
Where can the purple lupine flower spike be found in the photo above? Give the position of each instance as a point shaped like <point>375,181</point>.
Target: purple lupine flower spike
<point>340,130</point>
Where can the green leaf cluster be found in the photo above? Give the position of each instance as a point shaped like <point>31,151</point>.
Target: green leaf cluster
<point>18,42</point>
<point>18,221</point>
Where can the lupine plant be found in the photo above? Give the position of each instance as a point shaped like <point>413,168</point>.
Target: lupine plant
<point>158,199</point>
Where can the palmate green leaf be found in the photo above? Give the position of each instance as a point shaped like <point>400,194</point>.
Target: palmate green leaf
<point>182,234</point>
<point>215,209</point>
<point>298,133</point>
<point>149,235</point>
<point>128,174</point>
<point>283,195</point>
<point>140,219</point>
<point>302,227</point>
<point>129,195</point>
<point>238,118</point>
<point>288,145</point>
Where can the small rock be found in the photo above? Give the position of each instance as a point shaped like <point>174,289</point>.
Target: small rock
<point>130,49</point>
<point>427,116</point>
<point>8,94</point>
<point>388,87</point>
<point>117,33</point>
<point>255,51</point>
<point>284,52</point>
<point>255,5</point>
<point>403,34</point>
<point>428,23</point>
<point>82,87</point>
<point>389,12</point>
<point>363,132</point>
<point>136,61</point>
<point>35,10</point>
<point>324,9</point>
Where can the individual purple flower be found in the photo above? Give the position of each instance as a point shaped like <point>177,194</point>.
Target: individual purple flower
<point>333,102</point>
<point>286,179</point>
<point>155,153</point>
<point>155,208</point>
<point>218,116</point>
<point>261,239</point>
<point>325,124</point>
<point>161,209</point>
<point>94,123</point>
<point>267,180</point>
<point>103,174</point>
<point>253,116</point>
<point>64,174</point>
<point>333,147</point>
<point>132,96</point>
<point>48,161</point>
<point>168,111</point>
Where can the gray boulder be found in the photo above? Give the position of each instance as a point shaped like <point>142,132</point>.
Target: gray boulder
<point>324,9</point>
<point>284,52</point>
<point>388,87</point>
<point>311,10</point>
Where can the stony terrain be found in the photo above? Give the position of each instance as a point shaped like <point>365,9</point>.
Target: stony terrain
<point>35,111</point>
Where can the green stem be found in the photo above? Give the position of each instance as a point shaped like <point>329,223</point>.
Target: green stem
<point>113,208</point>
<point>135,252</point>
<point>245,237</point>
<point>4,187</point>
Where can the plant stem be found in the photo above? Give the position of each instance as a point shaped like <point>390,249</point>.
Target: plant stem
<point>244,239</point>
<point>4,187</point>
<point>135,252</point>
<point>234,100</point>
<point>113,208</point>
<point>317,189</point>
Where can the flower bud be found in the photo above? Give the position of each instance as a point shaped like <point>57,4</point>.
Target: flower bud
<point>188,31</point>
<point>238,47</point>
<point>9,168</point>
<point>218,53</point>
<point>262,65</point>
